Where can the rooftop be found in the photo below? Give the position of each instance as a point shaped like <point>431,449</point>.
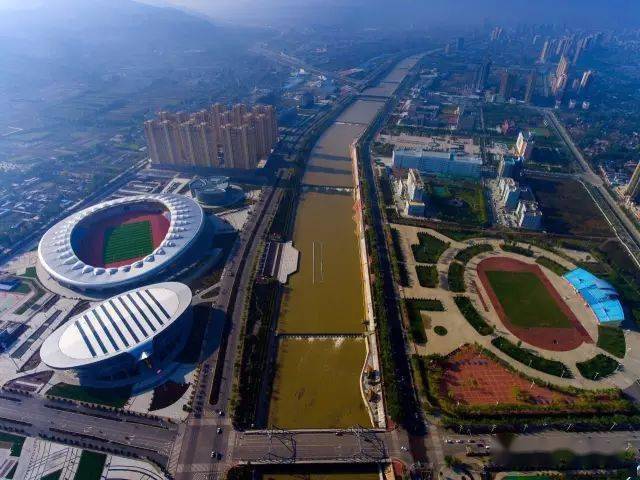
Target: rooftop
<point>424,153</point>
<point>57,254</point>
<point>599,294</point>
<point>125,323</point>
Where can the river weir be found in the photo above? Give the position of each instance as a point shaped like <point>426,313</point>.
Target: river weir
<point>326,367</point>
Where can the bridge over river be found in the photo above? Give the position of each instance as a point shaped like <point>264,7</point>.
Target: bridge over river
<point>353,445</point>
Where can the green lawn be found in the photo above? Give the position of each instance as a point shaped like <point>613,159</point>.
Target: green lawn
<point>510,247</point>
<point>23,288</point>
<point>30,272</point>
<point>37,295</point>
<point>113,397</point>
<point>130,240</point>
<point>53,475</point>
<point>90,466</point>
<point>457,200</point>
<point>16,442</point>
<point>611,340</point>
<point>526,301</point>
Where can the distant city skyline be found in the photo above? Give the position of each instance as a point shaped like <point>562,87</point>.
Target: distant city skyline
<point>592,13</point>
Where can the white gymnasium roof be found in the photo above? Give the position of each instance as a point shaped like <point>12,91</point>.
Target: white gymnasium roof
<point>126,323</point>
<point>57,256</point>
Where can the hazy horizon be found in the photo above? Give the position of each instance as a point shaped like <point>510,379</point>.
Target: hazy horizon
<point>428,13</point>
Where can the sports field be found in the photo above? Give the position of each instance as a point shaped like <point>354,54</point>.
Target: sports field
<point>126,241</point>
<point>121,238</point>
<point>529,306</point>
<point>525,300</point>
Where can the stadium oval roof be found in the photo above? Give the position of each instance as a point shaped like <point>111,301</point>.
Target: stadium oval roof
<point>124,324</point>
<point>59,258</point>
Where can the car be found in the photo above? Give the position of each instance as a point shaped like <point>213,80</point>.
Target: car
<point>219,430</point>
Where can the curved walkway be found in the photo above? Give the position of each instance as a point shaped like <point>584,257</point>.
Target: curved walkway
<point>461,332</point>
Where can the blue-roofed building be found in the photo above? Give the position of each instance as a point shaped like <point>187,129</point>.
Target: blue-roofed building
<point>599,294</point>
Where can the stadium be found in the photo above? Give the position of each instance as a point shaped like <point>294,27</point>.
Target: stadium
<point>120,338</point>
<point>216,192</point>
<point>119,244</point>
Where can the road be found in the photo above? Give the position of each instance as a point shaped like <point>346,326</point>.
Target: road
<point>345,446</point>
<point>605,443</point>
<point>622,226</point>
<point>201,437</point>
<point>391,297</point>
<point>36,416</point>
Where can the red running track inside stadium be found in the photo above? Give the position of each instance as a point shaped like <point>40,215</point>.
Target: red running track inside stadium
<point>549,338</point>
<point>91,250</point>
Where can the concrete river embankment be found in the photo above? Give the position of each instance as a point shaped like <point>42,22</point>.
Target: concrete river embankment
<point>317,382</point>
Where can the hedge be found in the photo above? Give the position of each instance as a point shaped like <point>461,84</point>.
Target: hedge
<point>440,330</point>
<point>429,249</point>
<point>472,316</point>
<point>401,273</point>
<point>552,265</point>
<point>427,275</point>
<point>416,325</point>
<point>600,366</point>
<point>456,277</point>
<point>513,248</point>
<point>463,256</point>
<point>533,360</point>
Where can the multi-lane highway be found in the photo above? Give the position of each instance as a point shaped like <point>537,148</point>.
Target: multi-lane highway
<point>205,446</point>
<point>98,429</point>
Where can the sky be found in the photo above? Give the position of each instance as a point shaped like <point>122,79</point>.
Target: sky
<point>394,13</point>
<point>589,13</point>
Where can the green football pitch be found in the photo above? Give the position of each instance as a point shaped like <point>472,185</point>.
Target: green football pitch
<point>526,301</point>
<point>130,240</point>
